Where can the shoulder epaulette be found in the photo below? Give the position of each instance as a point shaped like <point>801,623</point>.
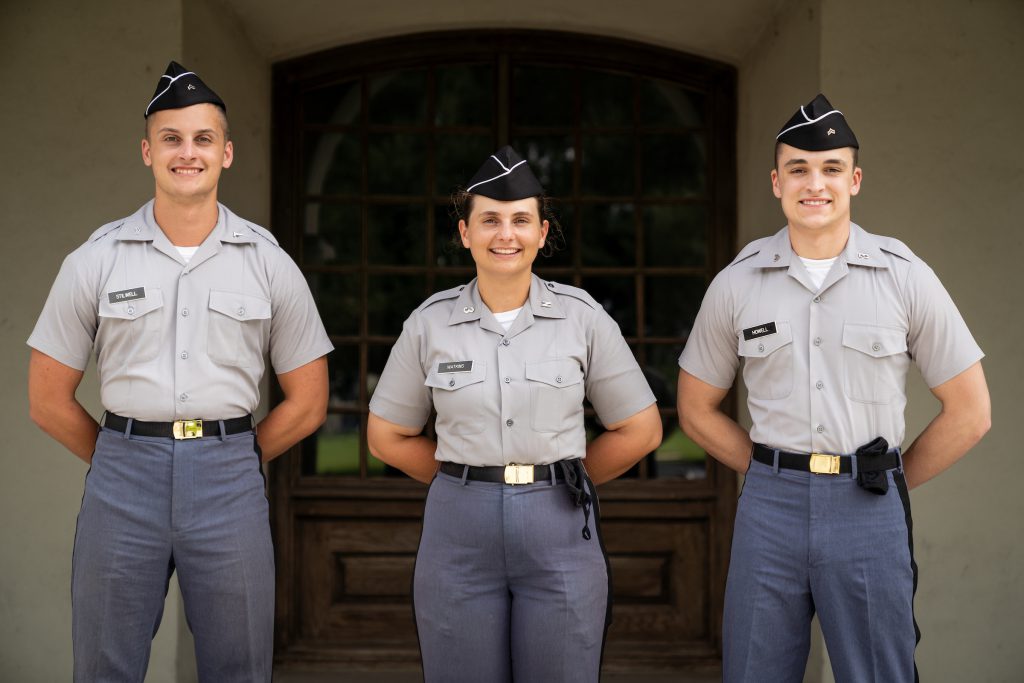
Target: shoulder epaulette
<point>106,230</point>
<point>452,293</point>
<point>574,292</point>
<point>752,249</point>
<point>895,247</point>
<point>262,232</point>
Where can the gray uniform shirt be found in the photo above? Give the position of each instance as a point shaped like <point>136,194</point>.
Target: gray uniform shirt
<point>175,340</point>
<point>825,368</point>
<point>510,397</point>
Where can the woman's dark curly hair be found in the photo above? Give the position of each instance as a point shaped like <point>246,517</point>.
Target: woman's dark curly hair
<point>462,207</point>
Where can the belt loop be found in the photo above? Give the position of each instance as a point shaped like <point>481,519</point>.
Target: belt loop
<point>465,473</point>
<point>775,461</point>
<point>854,461</point>
<point>223,432</point>
<point>899,458</point>
<point>128,428</point>
<point>551,472</point>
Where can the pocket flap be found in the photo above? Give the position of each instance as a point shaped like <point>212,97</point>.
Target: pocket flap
<point>559,372</point>
<point>874,340</point>
<point>450,381</point>
<point>134,309</point>
<point>239,306</point>
<point>760,347</point>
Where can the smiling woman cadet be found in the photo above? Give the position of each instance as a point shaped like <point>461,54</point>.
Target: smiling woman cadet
<point>510,581</point>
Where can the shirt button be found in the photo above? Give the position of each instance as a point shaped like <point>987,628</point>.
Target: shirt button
<point>184,355</point>
<point>241,312</point>
<point>819,384</point>
<point>559,379</point>
<point>507,380</point>
<point>509,422</point>
<point>817,299</point>
<point>183,397</point>
<point>760,347</point>
<point>819,429</point>
<point>505,342</point>
<point>876,347</point>
<point>131,310</point>
<point>184,312</point>
<point>451,383</point>
<point>817,341</point>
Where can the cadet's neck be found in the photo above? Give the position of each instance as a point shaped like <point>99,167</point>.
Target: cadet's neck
<point>819,244</point>
<point>504,294</point>
<point>185,224</point>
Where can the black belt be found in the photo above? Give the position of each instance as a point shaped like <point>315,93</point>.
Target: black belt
<point>521,474</point>
<point>181,429</point>
<point>823,463</point>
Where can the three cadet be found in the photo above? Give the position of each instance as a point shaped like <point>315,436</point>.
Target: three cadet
<point>181,302</point>
<point>826,318</point>
<point>511,580</point>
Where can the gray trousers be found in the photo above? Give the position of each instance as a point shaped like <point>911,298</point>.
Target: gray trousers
<point>807,543</point>
<point>506,588</point>
<point>153,506</point>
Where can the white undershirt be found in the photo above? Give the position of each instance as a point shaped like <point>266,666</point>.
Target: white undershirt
<point>818,268</point>
<point>506,318</point>
<point>187,252</point>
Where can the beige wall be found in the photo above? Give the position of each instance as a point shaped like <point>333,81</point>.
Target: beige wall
<point>929,87</point>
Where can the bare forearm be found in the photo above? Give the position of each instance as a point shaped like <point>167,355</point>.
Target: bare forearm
<point>414,455</point>
<point>68,423</point>
<point>940,445</point>
<point>287,424</point>
<point>619,448</point>
<point>719,435</point>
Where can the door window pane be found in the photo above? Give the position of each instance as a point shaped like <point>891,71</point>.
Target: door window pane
<point>673,165</point>
<point>332,163</point>
<point>399,97</point>
<point>550,158</point>
<point>458,158</point>
<point>465,95</point>
<point>675,235</point>
<point>618,297</point>
<point>337,298</point>
<point>397,164</point>
<point>671,304</point>
<point>607,99</point>
<point>390,300</point>
<point>334,448</point>
<point>542,96</point>
<point>667,104</point>
<point>396,234</point>
<point>609,235</point>
<point>336,104</point>
<point>332,234</point>
<point>608,165</point>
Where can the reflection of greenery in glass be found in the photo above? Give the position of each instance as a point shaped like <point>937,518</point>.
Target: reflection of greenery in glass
<point>332,163</point>
<point>673,165</point>
<point>550,158</point>
<point>678,446</point>
<point>396,163</point>
<point>332,234</point>
<point>607,99</point>
<point>676,235</point>
<point>458,158</point>
<point>398,97</point>
<point>390,300</point>
<point>609,235</point>
<point>338,454</point>
<point>337,104</point>
<point>464,95</point>
<point>541,96</point>
<point>337,298</point>
<point>668,104</point>
<point>608,164</point>
<point>396,234</point>
<point>671,304</point>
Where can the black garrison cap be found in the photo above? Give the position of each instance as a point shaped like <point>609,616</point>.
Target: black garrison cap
<point>505,176</point>
<point>179,88</point>
<point>816,127</point>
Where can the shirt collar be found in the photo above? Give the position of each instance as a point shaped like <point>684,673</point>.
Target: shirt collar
<point>776,252</point>
<point>863,249</point>
<point>541,302</point>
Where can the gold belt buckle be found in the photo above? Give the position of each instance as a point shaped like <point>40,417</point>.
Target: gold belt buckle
<point>188,429</point>
<point>823,463</point>
<point>518,474</point>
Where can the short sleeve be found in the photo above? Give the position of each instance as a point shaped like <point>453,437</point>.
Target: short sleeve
<point>297,335</point>
<point>67,326</point>
<point>401,395</point>
<point>939,340</point>
<point>615,384</point>
<point>711,354</point>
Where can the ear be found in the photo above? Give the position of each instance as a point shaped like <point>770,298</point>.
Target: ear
<point>229,154</point>
<point>775,184</point>
<point>147,157</point>
<point>464,233</point>
<point>543,232</point>
<point>858,175</point>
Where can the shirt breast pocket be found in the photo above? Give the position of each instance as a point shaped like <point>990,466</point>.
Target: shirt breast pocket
<point>875,362</point>
<point>459,399</point>
<point>237,328</point>
<point>768,363</point>
<point>132,330</point>
<point>556,394</point>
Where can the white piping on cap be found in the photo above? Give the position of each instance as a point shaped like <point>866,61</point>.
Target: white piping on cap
<point>809,121</point>
<point>500,175</point>
<point>166,89</point>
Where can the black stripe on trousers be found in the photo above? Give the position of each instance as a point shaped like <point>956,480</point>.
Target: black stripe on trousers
<point>901,486</point>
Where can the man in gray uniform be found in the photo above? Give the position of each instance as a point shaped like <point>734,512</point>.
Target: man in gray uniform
<point>181,302</point>
<point>826,318</point>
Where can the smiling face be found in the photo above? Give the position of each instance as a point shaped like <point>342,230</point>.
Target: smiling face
<point>815,188</point>
<point>187,149</point>
<point>503,237</point>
